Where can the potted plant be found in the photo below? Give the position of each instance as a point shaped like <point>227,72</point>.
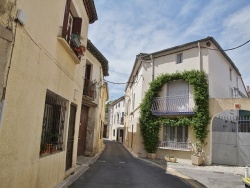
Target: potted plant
<point>173,159</point>
<point>167,158</point>
<point>197,157</point>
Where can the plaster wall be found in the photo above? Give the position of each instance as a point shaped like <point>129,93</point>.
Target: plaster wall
<point>94,141</point>
<point>117,108</point>
<point>6,38</point>
<point>39,63</point>
<point>219,77</point>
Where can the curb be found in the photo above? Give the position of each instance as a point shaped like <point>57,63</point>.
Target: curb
<point>79,171</point>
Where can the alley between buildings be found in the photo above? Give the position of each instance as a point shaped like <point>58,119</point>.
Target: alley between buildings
<point>116,167</point>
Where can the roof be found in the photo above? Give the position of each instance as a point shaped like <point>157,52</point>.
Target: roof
<point>91,11</point>
<point>98,55</point>
<point>146,56</point>
<point>114,102</point>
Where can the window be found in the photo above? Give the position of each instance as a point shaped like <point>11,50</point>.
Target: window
<point>176,134</point>
<point>53,124</point>
<point>179,58</point>
<point>122,118</point>
<point>175,138</point>
<point>231,93</point>
<point>71,30</point>
<point>133,102</point>
<point>230,74</point>
<point>113,132</point>
<point>117,117</point>
<point>89,88</point>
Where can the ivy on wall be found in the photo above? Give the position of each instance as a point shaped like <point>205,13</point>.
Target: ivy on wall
<point>150,124</point>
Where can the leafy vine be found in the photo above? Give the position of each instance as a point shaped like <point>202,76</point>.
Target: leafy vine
<point>150,124</point>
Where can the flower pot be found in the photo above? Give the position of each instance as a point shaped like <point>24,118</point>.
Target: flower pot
<point>173,159</point>
<point>167,159</point>
<point>151,155</point>
<point>196,160</point>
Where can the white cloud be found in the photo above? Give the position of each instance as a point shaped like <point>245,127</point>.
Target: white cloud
<point>127,28</point>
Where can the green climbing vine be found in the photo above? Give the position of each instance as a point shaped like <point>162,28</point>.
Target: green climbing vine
<point>150,124</point>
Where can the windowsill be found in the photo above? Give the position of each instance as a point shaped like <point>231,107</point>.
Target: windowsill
<point>68,48</point>
<point>176,149</point>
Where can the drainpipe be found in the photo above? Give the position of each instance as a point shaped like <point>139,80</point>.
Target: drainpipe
<point>200,58</point>
<point>153,67</point>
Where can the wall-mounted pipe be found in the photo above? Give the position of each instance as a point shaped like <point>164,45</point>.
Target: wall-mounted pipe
<point>200,57</point>
<point>153,67</point>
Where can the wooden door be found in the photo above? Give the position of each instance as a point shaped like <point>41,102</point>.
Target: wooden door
<point>83,130</point>
<point>70,141</point>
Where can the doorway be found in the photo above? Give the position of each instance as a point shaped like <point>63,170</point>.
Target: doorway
<point>83,131</point>
<point>70,141</point>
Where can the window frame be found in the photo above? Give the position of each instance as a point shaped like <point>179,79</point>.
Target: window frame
<point>179,58</point>
<point>53,126</point>
<point>75,27</point>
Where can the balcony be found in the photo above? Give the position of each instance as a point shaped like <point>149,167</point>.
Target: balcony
<point>173,145</point>
<point>173,105</point>
<point>89,89</point>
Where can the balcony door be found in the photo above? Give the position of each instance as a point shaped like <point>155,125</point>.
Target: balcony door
<point>178,96</point>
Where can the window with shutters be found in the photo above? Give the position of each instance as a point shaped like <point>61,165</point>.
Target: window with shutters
<point>71,30</point>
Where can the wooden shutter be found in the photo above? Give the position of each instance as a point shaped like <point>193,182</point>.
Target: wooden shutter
<point>65,20</point>
<point>77,26</point>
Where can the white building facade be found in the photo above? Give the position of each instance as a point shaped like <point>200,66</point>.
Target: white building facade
<point>116,122</point>
<point>176,97</point>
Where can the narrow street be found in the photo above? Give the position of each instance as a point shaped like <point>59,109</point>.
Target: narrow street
<point>117,168</point>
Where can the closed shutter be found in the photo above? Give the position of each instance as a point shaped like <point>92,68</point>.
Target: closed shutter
<point>77,26</point>
<point>65,20</point>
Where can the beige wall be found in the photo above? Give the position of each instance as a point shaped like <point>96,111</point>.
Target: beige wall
<point>96,115</point>
<point>39,63</point>
<point>6,38</point>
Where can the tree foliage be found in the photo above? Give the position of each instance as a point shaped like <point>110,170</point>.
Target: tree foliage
<point>150,124</point>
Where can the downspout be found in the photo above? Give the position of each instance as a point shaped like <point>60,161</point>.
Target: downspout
<point>200,58</point>
<point>153,67</point>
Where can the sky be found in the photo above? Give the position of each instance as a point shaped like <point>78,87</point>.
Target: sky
<point>126,28</point>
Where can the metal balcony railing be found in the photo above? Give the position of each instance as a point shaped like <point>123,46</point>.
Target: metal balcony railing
<point>179,104</point>
<point>89,89</point>
<point>173,145</point>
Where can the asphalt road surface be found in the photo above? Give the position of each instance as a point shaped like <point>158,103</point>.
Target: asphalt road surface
<point>117,168</point>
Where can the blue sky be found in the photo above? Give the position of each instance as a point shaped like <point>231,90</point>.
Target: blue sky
<point>126,28</point>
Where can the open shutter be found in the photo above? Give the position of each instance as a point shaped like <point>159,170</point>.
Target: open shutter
<point>65,20</point>
<point>77,26</point>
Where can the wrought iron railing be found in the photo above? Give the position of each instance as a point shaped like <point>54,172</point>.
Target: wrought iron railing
<point>179,104</point>
<point>89,89</point>
<point>53,126</point>
<point>173,145</point>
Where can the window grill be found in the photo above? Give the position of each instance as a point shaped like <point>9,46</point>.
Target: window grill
<point>174,145</point>
<point>53,125</point>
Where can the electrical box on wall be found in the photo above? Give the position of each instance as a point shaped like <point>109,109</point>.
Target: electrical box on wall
<point>21,17</point>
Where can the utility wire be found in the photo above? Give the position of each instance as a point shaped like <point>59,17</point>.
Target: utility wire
<point>118,72</point>
<point>229,48</point>
<point>118,82</point>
